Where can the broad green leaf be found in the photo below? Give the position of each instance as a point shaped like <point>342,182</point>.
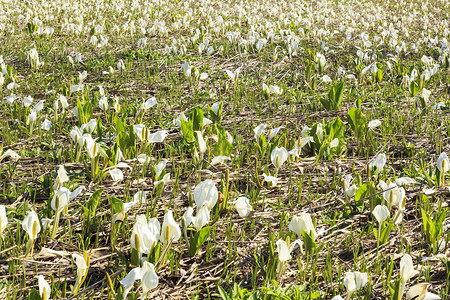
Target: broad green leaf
<point>357,122</point>
<point>188,131</point>
<point>197,119</point>
<point>335,97</point>
<point>120,126</point>
<point>326,103</point>
<point>198,239</point>
<point>116,205</point>
<point>366,190</point>
<point>93,202</point>
<point>338,95</point>
<point>309,242</point>
<point>223,147</point>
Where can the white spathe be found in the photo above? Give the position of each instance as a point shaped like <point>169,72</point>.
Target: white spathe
<point>381,213</point>
<point>377,164</point>
<point>3,219</point>
<point>302,223</point>
<point>44,288</point>
<point>31,225</point>
<point>205,193</point>
<point>243,207</point>
<point>279,156</point>
<point>170,230</point>
<point>406,267</point>
<point>354,281</point>
<point>443,163</point>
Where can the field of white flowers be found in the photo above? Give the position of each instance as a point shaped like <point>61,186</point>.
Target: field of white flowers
<point>219,149</point>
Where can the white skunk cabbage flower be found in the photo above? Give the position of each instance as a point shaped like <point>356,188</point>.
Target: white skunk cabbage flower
<point>419,292</point>
<point>354,281</point>
<point>374,124</point>
<point>302,223</point>
<point>205,193</point>
<point>258,130</point>
<point>203,217</point>
<point>279,156</point>
<point>378,163</point>
<point>381,213</point>
<point>170,230</point>
<point>3,219</point>
<point>443,163</point>
<point>10,153</point>
<point>284,250</point>
<point>406,268</point>
<point>31,225</point>
<point>270,179</point>
<point>393,194</point>
<point>44,288</point>
<point>149,103</point>
<point>234,76</point>
<point>147,275</point>
<point>243,207</point>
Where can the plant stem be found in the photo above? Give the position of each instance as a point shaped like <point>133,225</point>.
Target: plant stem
<point>55,224</point>
<point>92,168</point>
<point>30,247</point>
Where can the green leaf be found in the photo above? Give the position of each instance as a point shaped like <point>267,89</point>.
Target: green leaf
<point>198,239</point>
<point>366,190</point>
<point>80,112</point>
<point>324,151</point>
<point>223,147</point>
<point>433,227</point>
<point>155,253</point>
<point>336,128</point>
<point>93,202</point>
<point>134,257</point>
<point>317,141</point>
<point>87,110</point>
<point>262,143</point>
<point>34,295</point>
<point>375,233</point>
<point>116,205</point>
<point>331,131</point>
<point>223,293</point>
<point>31,27</point>
<point>309,242</point>
<point>187,130</point>
<point>99,128</point>
<point>218,116</point>
<point>379,75</point>
<point>326,103</point>
<point>335,97</point>
<point>413,88</point>
<point>386,231</point>
<point>120,126</point>
<point>65,90</point>
<point>197,119</point>
<point>338,94</point>
<point>397,294</point>
<point>310,69</point>
<point>127,142</point>
<point>357,122</point>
